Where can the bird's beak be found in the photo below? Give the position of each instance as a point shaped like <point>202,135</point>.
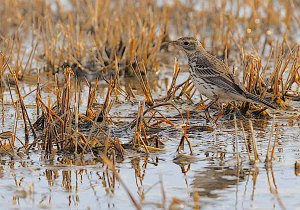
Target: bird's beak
<point>174,42</point>
<point>169,43</point>
<point>166,44</point>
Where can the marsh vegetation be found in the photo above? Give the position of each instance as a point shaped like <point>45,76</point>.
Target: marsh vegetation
<point>98,112</point>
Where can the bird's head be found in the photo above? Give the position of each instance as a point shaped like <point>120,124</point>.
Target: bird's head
<point>187,44</point>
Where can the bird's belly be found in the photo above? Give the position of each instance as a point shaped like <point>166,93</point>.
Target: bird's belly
<point>212,91</point>
<point>208,90</point>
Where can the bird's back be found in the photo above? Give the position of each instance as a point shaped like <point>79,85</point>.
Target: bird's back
<point>211,70</point>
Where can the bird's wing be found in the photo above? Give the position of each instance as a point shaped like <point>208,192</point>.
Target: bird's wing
<point>216,74</point>
<point>224,83</point>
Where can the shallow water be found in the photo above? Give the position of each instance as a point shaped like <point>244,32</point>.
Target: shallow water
<point>163,179</point>
<point>209,179</point>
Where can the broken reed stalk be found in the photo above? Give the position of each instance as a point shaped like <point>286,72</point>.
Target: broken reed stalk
<point>286,63</point>
<point>12,136</point>
<point>144,83</point>
<point>267,160</point>
<point>23,109</point>
<point>3,63</point>
<point>293,74</point>
<point>2,109</point>
<point>30,57</point>
<point>130,93</point>
<point>116,79</point>
<point>38,92</point>
<point>165,104</point>
<point>275,142</point>
<point>65,105</point>
<point>3,66</point>
<point>3,145</point>
<point>111,166</point>
<point>172,89</point>
<point>246,143</point>
<point>139,129</point>
<point>49,129</point>
<point>163,192</point>
<point>255,152</point>
<point>273,187</point>
<point>76,110</point>
<point>91,99</point>
<point>158,123</point>
<point>15,132</point>
<point>196,200</point>
<point>185,137</point>
<point>236,140</point>
<point>57,93</point>
<point>181,144</point>
<point>102,116</point>
<point>117,89</point>
<point>187,88</point>
<point>158,120</point>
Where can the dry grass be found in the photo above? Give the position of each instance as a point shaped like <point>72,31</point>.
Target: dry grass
<point>114,38</point>
<point>103,34</point>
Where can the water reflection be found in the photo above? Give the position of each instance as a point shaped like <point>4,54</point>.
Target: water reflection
<point>210,181</point>
<point>82,184</point>
<point>89,184</point>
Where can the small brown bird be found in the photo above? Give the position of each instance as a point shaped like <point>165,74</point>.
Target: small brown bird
<point>212,77</point>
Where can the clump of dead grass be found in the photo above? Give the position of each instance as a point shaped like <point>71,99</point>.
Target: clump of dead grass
<point>125,37</point>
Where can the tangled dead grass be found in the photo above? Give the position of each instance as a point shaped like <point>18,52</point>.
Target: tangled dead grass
<point>108,39</point>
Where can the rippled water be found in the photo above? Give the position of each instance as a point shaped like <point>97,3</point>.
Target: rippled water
<point>206,180</point>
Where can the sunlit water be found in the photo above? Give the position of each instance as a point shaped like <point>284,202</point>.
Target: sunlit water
<point>159,180</point>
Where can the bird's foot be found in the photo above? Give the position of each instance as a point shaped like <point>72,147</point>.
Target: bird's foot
<point>218,117</point>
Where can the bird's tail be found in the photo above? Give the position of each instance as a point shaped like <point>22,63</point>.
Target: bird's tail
<point>258,100</point>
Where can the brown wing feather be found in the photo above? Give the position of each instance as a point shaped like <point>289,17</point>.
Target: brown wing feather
<point>215,72</point>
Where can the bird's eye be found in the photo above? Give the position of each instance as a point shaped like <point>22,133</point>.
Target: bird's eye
<point>186,43</point>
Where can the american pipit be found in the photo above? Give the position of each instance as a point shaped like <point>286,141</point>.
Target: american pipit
<point>212,77</point>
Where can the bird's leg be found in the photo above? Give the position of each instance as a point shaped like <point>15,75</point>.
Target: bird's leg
<point>220,114</point>
<point>207,115</point>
